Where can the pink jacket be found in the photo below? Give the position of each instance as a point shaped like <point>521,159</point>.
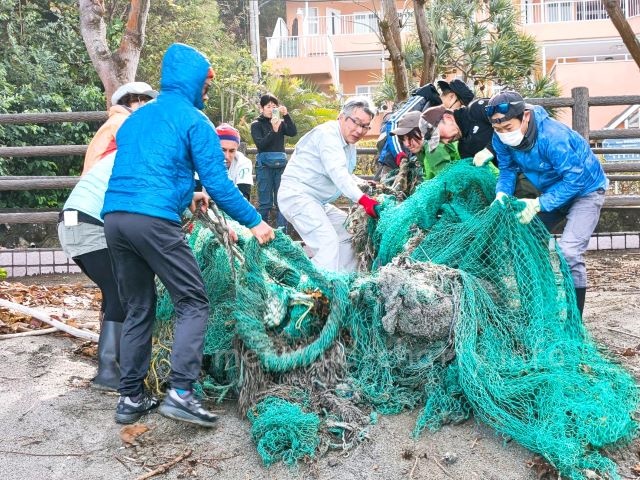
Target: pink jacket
<point>104,136</point>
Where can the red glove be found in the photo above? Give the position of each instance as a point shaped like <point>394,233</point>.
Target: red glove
<point>369,204</point>
<point>399,158</point>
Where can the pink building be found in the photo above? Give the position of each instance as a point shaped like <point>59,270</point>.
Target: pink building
<point>580,47</point>
<point>335,44</point>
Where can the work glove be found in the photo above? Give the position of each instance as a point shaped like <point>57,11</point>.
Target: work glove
<point>369,204</point>
<point>530,207</point>
<point>502,199</point>
<point>399,158</point>
<point>483,157</point>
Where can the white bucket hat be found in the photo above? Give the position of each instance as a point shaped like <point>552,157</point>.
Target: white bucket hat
<point>135,88</point>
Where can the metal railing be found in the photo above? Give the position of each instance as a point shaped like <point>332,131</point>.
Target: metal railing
<point>544,11</point>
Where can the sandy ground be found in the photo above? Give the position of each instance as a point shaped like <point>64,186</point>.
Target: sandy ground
<point>53,426</point>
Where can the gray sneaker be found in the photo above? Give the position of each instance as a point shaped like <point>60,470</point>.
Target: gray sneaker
<point>186,408</point>
<point>130,409</point>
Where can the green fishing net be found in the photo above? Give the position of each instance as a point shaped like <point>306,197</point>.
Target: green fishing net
<point>459,310</point>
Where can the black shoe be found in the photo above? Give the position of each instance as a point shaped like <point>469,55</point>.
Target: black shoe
<point>108,376</point>
<point>186,408</point>
<point>130,409</point>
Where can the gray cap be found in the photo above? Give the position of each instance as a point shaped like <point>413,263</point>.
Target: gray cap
<point>407,122</point>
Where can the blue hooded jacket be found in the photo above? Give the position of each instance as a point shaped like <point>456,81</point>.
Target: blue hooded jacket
<point>560,164</point>
<point>161,145</point>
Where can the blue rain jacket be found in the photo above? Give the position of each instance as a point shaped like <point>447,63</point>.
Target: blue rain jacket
<point>560,164</point>
<point>162,144</point>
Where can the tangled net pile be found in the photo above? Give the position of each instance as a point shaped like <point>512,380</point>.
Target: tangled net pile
<point>464,311</point>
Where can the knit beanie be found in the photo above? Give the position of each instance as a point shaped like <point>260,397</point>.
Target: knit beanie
<point>227,132</point>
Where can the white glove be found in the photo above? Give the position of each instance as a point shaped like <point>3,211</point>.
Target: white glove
<point>530,207</point>
<point>483,157</point>
<point>501,199</point>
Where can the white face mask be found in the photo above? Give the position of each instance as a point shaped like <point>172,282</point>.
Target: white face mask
<point>513,139</point>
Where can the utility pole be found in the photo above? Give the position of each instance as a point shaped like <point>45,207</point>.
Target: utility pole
<point>254,34</point>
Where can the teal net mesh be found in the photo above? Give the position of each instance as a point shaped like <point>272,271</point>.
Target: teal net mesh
<point>460,311</point>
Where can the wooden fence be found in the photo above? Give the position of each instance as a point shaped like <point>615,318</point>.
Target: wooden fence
<point>579,102</point>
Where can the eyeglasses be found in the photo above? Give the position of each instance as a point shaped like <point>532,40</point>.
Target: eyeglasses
<point>502,108</point>
<point>364,127</point>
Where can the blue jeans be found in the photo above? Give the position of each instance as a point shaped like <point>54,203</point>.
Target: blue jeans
<point>582,218</point>
<point>268,180</point>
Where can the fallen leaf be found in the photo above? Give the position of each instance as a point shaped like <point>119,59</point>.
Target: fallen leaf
<point>629,352</point>
<point>130,433</point>
<point>543,469</point>
<point>636,469</point>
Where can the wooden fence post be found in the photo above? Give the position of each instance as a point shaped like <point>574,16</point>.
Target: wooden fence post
<point>580,111</point>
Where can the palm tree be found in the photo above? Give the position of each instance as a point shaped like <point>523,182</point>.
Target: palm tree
<point>306,104</point>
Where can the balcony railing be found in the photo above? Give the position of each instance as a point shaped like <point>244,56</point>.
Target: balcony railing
<point>620,57</point>
<point>352,24</point>
<point>292,47</point>
<point>543,11</point>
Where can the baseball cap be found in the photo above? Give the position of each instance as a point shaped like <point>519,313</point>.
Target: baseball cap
<point>433,115</point>
<point>457,86</point>
<point>509,103</point>
<point>407,122</point>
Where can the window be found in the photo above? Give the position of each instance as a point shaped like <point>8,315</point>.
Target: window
<point>592,10</point>
<point>633,121</point>
<point>365,23</point>
<point>365,90</point>
<point>558,12</point>
<point>312,22</point>
<point>333,22</point>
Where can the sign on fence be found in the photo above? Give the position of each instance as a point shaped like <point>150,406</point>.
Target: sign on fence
<point>621,143</point>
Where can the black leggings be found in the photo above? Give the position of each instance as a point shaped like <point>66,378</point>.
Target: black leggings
<point>97,266</point>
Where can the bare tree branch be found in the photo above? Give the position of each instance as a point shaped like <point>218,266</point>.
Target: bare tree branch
<point>426,42</point>
<point>624,29</point>
<point>390,30</point>
<point>113,68</point>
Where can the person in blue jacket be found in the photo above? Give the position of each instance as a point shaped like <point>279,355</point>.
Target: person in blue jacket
<point>160,147</point>
<point>560,165</point>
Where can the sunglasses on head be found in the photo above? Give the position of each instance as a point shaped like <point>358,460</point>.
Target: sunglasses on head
<point>502,108</point>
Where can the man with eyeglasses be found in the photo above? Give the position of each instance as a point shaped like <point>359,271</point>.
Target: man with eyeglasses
<point>239,167</point>
<point>321,170</point>
<point>561,166</point>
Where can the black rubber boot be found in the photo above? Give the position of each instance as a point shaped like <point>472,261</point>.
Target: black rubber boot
<point>108,377</point>
<point>580,296</point>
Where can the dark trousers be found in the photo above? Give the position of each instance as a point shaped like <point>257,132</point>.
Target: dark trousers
<point>268,180</point>
<point>97,266</point>
<point>142,247</point>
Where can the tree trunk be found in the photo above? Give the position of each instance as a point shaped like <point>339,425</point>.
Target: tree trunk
<point>624,29</point>
<point>390,30</point>
<point>119,67</point>
<point>425,36</point>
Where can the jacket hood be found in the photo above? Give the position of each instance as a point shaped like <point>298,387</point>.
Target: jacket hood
<point>184,71</point>
<point>540,113</point>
